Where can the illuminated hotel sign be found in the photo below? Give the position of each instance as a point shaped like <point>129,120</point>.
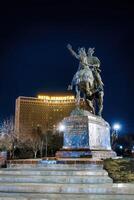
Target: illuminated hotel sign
<point>56,98</point>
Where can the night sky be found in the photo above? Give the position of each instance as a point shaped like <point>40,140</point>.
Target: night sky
<point>34,57</point>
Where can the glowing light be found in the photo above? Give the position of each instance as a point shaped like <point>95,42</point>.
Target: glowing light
<point>61,127</point>
<point>56,98</point>
<point>121,147</point>
<point>120,185</point>
<point>116,126</point>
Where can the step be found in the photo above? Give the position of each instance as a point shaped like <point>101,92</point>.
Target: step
<point>57,166</point>
<point>46,172</point>
<point>33,196</point>
<point>68,188</point>
<point>55,179</point>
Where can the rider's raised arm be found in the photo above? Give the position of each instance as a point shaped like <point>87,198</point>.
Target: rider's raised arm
<point>72,51</point>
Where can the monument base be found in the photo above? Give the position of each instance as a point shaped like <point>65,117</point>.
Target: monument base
<point>85,135</point>
<point>85,153</point>
<point>103,154</point>
<point>74,153</point>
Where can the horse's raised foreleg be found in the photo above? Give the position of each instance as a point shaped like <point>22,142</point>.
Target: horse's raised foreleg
<point>90,104</point>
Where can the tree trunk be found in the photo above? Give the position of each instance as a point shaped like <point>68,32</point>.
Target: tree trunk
<point>10,154</point>
<point>13,154</point>
<point>35,154</point>
<point>46,146</point>
<point>41,153</point>
<point>41,149</point>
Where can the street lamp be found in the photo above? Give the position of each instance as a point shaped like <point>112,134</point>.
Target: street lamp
<point>121,147</point>
<point>114,136</point>
<point>116,127</point>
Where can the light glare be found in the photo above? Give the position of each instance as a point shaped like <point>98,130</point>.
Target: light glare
<point>116,127</point>
<point>61,127</point>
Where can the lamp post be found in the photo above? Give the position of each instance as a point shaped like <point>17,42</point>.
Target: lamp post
<point>116,127</point>
<point>115,130</point>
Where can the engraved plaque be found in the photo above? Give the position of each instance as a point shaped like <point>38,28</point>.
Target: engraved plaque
<point>76,132</point>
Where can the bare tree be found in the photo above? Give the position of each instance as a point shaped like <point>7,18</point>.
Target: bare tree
<point>45,142</point>
<point>8,136</point>
<point>34,143</point>
<point>40,140</point>
<point>41,145</point>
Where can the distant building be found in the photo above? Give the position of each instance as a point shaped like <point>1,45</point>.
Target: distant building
<point>45,111</point>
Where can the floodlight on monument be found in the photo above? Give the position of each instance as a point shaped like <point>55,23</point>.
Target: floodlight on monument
<point>61,127</point>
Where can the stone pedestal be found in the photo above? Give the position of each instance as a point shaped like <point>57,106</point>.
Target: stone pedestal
<point>85,135</point>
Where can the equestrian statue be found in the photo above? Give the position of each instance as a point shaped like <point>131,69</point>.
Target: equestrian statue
<point>87,81</point>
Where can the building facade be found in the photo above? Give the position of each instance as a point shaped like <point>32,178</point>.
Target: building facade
<point>45,111</point>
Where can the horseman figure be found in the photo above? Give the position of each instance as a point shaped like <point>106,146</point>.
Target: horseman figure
<point>87,79</point>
